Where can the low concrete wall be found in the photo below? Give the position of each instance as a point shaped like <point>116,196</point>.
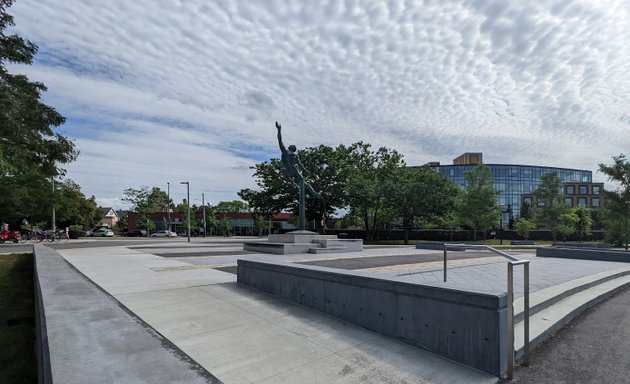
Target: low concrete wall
<point>466,327</point>
<point>582,245</point>
<point>584,254</point>
<point>436,246</point>
<point>522,242</point>
<point>85,336</point>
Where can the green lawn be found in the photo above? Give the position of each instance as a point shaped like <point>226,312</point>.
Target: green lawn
<point>17,320</point>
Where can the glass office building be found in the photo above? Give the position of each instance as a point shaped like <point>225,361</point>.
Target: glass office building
<point>513,181</point>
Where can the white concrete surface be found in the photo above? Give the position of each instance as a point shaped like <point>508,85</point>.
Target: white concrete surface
<point>245,336</point>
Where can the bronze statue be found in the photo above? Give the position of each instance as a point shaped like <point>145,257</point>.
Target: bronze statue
<point>292,166</point>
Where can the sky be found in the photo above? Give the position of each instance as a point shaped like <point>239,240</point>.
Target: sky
<point>158,92</point>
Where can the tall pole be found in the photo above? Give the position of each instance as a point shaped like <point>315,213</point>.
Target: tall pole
<point>54,228</point>
<point>188,203</point>
<point>168,206</point>
<point>203,209</point>
<point>302,225</point>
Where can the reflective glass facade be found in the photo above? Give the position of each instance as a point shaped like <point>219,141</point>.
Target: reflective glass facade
<point>514,181</point>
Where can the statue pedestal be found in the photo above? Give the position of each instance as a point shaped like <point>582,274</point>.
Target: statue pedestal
<point>304,242</point>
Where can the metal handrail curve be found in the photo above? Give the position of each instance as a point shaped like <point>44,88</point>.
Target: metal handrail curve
<point>512,261</point>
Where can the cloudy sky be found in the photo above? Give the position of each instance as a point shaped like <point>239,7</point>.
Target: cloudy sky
<point>188,90</point>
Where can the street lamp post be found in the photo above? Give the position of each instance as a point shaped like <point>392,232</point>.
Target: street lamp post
<point>187,202</point>
<point>508,211</point>
<point>54,219</point>
<point>203,209</point>
<point>168,206</point>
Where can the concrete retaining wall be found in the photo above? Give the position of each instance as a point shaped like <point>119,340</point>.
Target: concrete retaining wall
<point>584,254</point>
<point>436,246</point>
<point>463,326</point>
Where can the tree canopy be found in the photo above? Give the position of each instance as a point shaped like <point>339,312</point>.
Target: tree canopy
<point>550,204</point>
<point>28,142</point>
<point>477,208</point>
<point>31,150</point>
<point>618,201</point>
<point>420,193</point>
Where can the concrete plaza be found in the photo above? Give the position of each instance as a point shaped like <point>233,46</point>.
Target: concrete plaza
<point>187,293</point>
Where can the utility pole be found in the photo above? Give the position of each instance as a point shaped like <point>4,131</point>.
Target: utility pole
<point>203,205</point>
<point>168,206</point>
<point>54,227</point>
<point>187,202</point>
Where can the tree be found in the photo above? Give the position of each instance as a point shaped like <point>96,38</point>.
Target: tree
<point>550,203</point>
<point>327,170</point>
<point>370,177</point>
<point>145,202</point>
<point>478,206</point>
<point>583,223</point>
<point>420,194</point>
<point>568,222</point>
<point>73,208</point>
<point>30,148</point>
<point>234,206</point>
<point>618,201</point>
<point>28,142</point>
<point>524,227</point>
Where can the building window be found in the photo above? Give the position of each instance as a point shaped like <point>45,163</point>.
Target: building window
<point>581,201</point>
<point>583,190</point>
<point>596,190</point>
<point>568,202</point>
<point>540,203</point>
<point>595,202</point>
<point>570,190</point>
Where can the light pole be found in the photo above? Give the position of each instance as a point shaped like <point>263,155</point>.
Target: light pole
<point>168,206</point>
<point>54,228</point>
<point>187,202</point>
<point>508,211</point>
<point>203,209</point>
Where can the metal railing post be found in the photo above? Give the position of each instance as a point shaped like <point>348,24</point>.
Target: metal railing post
<point>445,247</point>
<point>526,312</point>
<point>510,322</point>
<point>512,261</point>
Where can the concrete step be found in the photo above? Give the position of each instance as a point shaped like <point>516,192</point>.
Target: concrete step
<point>320,250</point>
<point>553,317</point>
<point>545,298</point>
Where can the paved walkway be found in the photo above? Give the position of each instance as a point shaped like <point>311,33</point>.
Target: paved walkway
<point>244,336</point>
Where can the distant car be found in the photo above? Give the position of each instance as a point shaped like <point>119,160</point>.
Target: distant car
<point>137,233</point>
<point>102,232</point>
<point>164,233</point>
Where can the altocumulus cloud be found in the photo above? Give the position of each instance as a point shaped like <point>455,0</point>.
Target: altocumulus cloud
<point>189,90</point>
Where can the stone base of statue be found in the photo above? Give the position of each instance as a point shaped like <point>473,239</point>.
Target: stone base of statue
<point>304,242</point>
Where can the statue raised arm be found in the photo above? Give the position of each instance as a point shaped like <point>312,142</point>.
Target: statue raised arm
<point>282,148</point>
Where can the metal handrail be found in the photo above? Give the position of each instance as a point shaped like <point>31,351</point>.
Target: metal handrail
<point>512,261</point>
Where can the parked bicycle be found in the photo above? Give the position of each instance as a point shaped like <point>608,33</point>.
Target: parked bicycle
<point>33,236</point>
<point>58,235</point>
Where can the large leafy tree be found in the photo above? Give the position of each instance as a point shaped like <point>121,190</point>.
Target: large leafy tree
<point>618,201</point>
<point>145,201</point>
<point>327,175</point>
<point>420,193</point>
<point>28,142</point>
<point>73,207</point>
<point>371,175</point>
<point>550,204</point>
<point>234,206</point>
<point>31,151</point>
<point>477,208</point>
